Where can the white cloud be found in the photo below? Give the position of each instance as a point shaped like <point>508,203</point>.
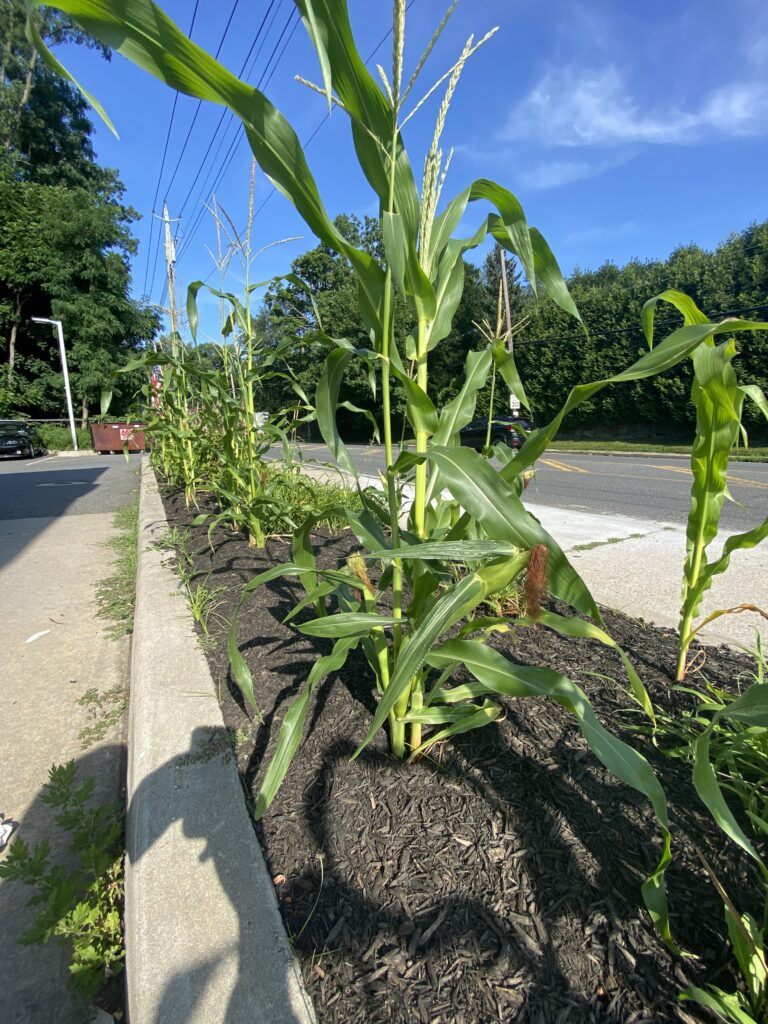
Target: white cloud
<point>571,107</point>
<point>555,173</point>
<point>600,233</point>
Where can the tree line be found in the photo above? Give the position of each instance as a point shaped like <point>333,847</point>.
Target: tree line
<point>65,236</point>
<point>552,357</point>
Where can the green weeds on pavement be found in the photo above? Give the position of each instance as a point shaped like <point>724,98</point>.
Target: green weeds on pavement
<point>116,594</point>
<point>80,906</point>
<point>105,709</point>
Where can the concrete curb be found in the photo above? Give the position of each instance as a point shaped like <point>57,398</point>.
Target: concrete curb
<point>204,938</point>
<point>69,454</point>
<point>618,454</point>
<point>637,455</point>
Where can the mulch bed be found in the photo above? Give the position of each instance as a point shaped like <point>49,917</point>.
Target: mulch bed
<point>499,878</point>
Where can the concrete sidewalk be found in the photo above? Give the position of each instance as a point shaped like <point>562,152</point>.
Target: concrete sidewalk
<point>636,567</point>
<point>55,651</point>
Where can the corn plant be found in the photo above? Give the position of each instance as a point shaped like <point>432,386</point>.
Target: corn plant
<point>463,509</point>
<point>719,400</point>
<point>748,717</point>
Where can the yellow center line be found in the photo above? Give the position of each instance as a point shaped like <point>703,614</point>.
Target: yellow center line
<point>564,466</point>
<point>672,469</point>
<point>731,479</point>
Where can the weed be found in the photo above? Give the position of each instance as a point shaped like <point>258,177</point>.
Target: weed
<point>116,595</point>
<point>174,539</point>
<point>105,708</point>
<point>81,906</point>
<point>203,602</point>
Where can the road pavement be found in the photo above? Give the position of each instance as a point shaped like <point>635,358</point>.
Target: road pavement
<point>53,486</point>
<point>55,523</point>
<point>622,523</point>
<point>653,489</point>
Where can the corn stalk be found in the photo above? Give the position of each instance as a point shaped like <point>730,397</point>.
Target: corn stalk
<point>411,648</point>
<point>719,401</point>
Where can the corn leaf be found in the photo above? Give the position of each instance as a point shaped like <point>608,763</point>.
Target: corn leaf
<point>449,609</point>
<point>292,727</point>
<point>751,708</point>
<point>495,504</point>
<point>344,624</point>
<point>327,401</point>
<point>503,677</point>
<point>474,718</point>
<point>448,551</point>
<point>240,669</point>
<point>575,627</point>
<point>727,1005</point>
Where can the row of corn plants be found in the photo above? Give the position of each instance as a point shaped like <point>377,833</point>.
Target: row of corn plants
<point>401,598</point>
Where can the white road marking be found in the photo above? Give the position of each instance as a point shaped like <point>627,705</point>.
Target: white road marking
<point>36,636</point>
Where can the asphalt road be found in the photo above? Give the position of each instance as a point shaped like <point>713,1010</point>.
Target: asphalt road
<point>51,486</point>
<point>656,489</point>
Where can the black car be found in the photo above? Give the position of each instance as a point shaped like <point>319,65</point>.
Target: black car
<point>18,440</point>
<point>508,430</point>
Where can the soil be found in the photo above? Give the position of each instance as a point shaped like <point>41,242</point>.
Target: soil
<point>498,879</point>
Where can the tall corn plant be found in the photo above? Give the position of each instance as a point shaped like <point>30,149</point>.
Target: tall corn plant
<point>719,401</point>
<point>414,627</point>
<point>249,362</point>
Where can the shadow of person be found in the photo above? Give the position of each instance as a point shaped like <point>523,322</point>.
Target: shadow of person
<point>34,980</point>
<point>204,938</point>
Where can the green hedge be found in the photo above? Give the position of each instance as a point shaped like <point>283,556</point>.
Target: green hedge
<point>59,439</point>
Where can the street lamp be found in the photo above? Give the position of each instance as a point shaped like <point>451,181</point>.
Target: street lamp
<point>46,320</point>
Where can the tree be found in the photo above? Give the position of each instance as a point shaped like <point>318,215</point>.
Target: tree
<point>553,357</point>
<point>65,235</point>
<point>330,284</point>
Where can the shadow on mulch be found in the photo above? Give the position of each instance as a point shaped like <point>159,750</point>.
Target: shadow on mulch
<point>498,880</point>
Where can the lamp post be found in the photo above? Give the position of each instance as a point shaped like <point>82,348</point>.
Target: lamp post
<point>60,331</point>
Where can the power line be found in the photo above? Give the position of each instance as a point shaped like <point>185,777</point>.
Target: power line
<point>218,175</point>
<point>226,113</point>
<point>162,162</point>
<point>184,146</point>
<point>305,145</point>
<point>200,102</point>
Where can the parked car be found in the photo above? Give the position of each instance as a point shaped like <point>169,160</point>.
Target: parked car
<point>508,430</point>
<point>18,440</point>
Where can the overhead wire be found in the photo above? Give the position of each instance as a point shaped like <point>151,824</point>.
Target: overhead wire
<point>305,144</point>
<point>262,85</point>
<point>225,113</point>
<point>183,148</point>
<point>217,175</point>
<point>169,186</point>
<point>162,164</point>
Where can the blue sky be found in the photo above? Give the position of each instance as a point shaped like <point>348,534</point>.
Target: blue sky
<point>624,129</point>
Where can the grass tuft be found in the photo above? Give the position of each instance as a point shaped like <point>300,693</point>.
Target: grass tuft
<point>116,594</point>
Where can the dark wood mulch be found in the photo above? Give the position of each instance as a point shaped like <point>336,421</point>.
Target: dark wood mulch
<point>497,880</point>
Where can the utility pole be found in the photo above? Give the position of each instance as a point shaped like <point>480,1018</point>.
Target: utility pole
<point>507,310</point>
<point>170,262</point>
<point>514,401</point>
